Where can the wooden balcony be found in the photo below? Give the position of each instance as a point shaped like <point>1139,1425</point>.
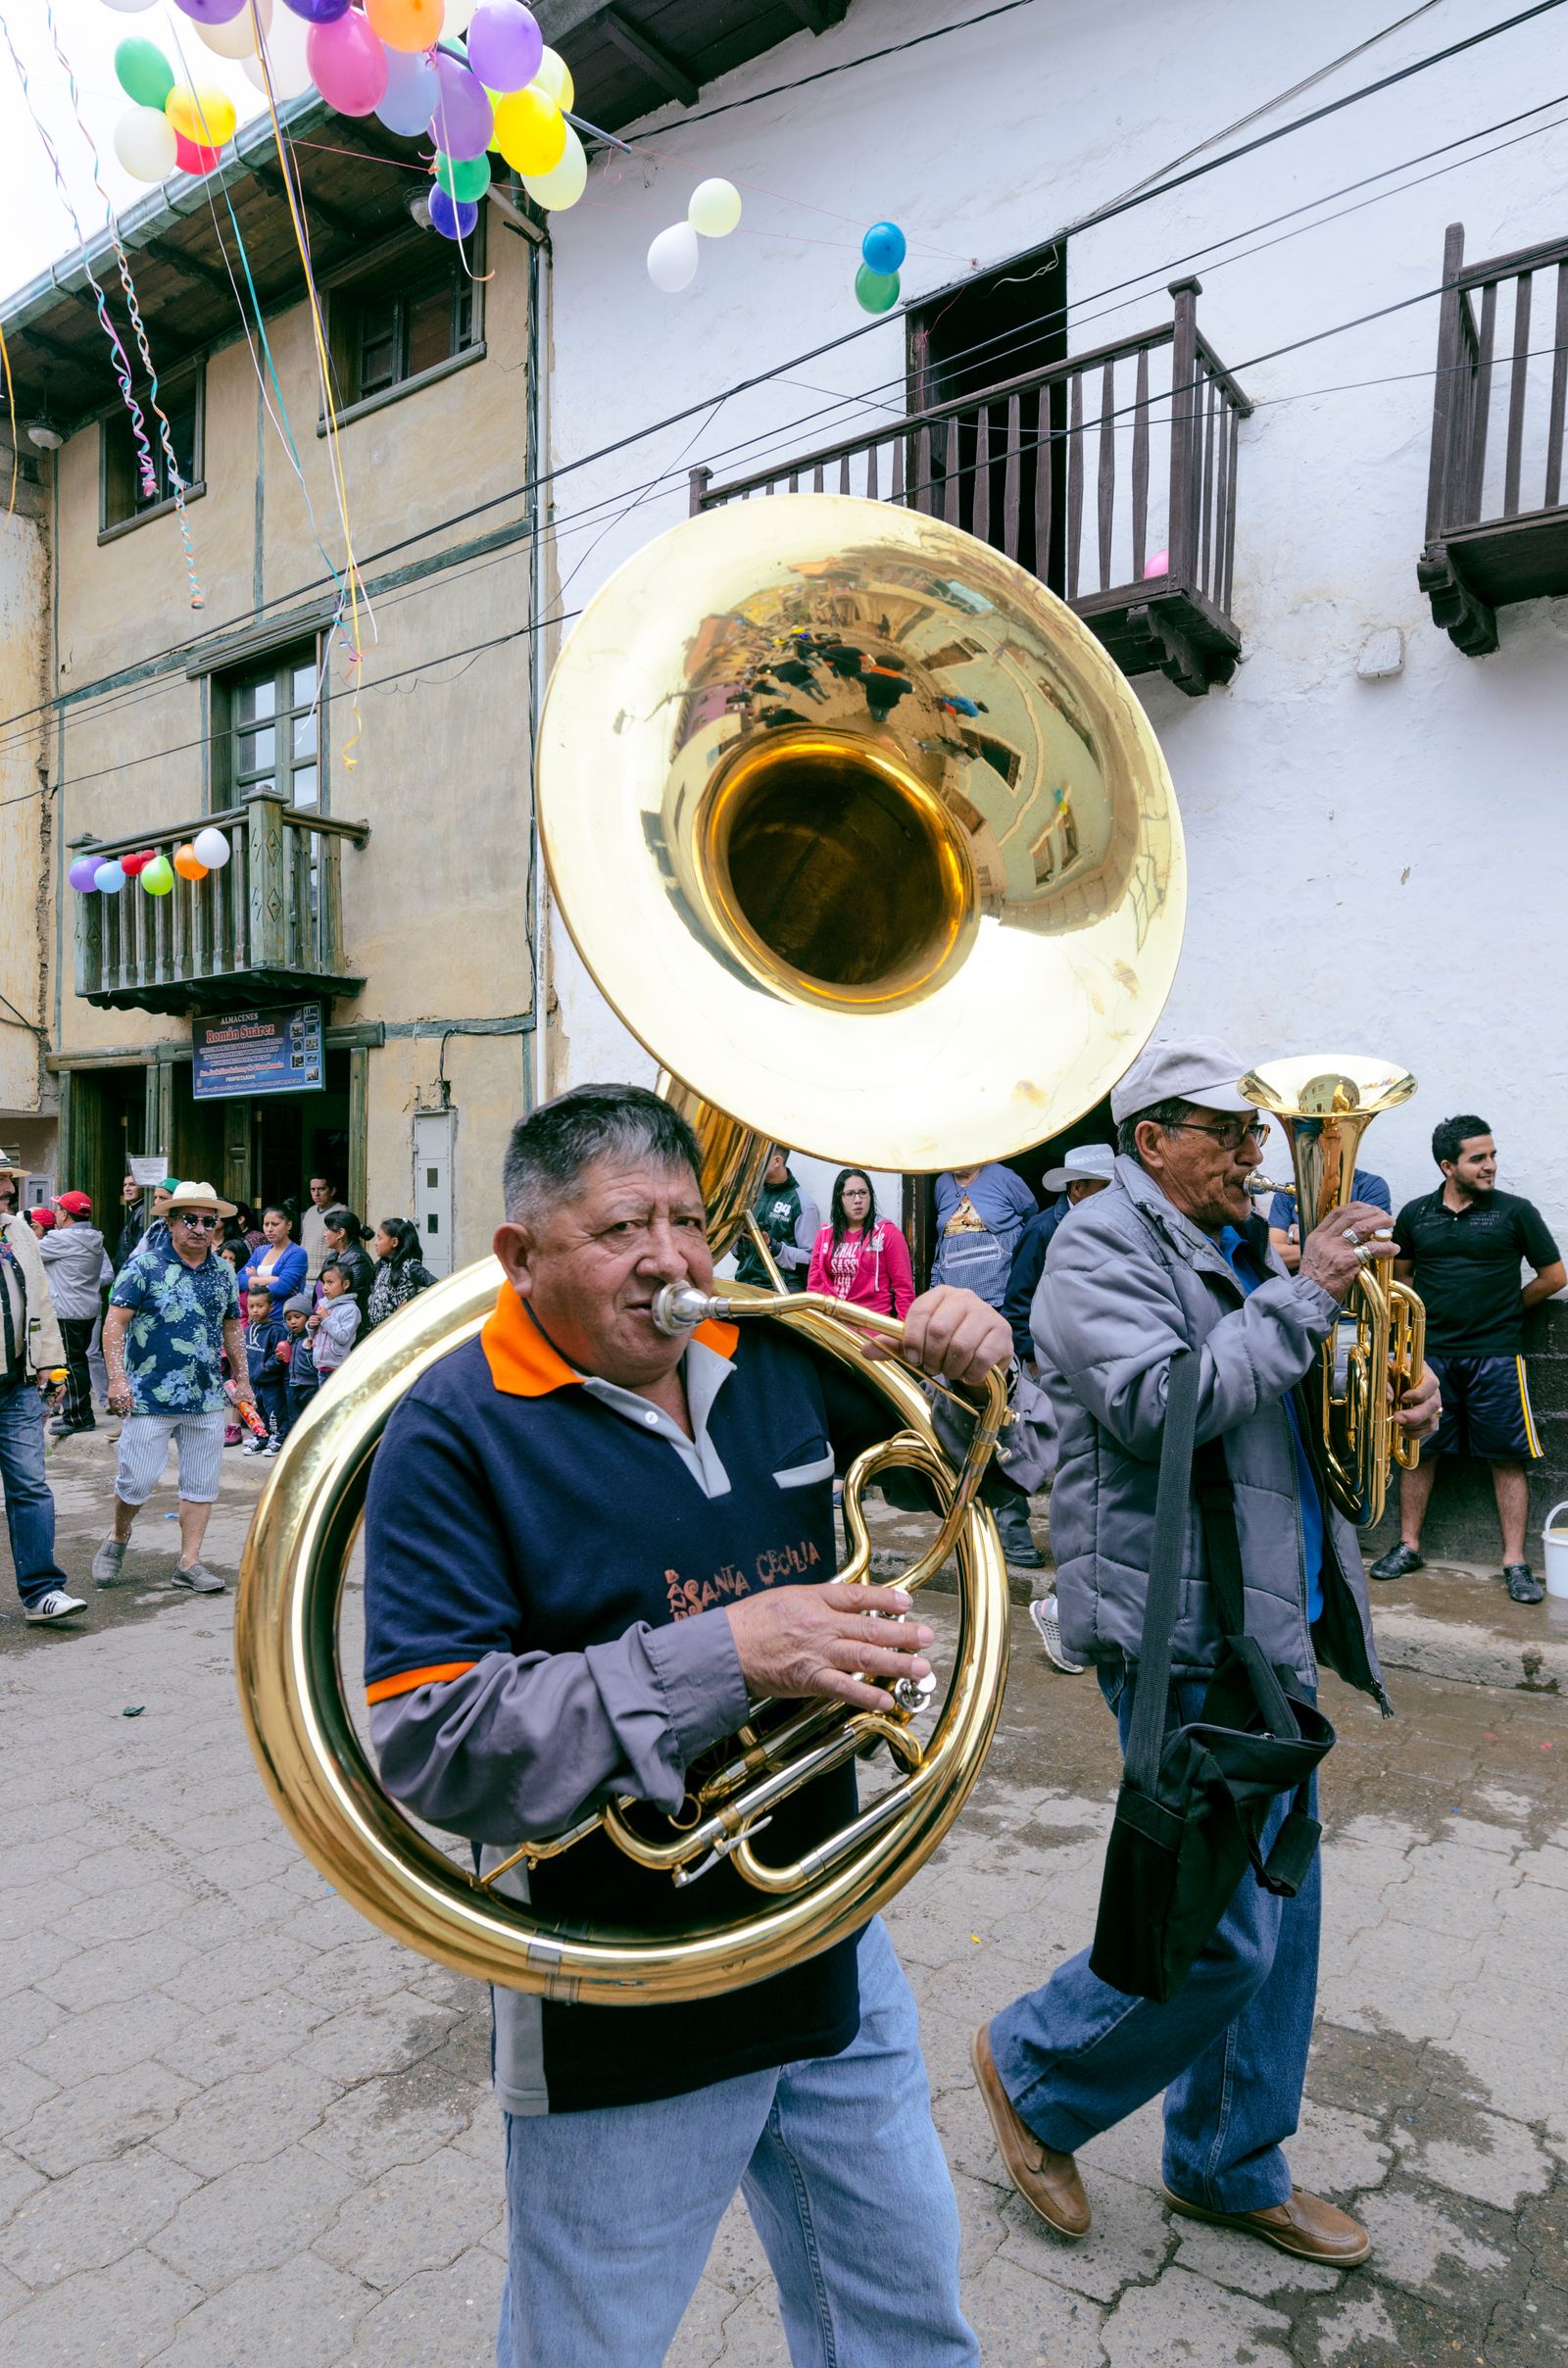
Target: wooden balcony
<point>1496,524</point>
<point>264,928</point>
<point>1110,475</point>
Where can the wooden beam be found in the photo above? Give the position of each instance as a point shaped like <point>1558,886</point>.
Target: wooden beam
<point>57,351</point>
<point>334,216</point>
<point>656,61</point>
<point>817,14</point>
<point>189,266</point>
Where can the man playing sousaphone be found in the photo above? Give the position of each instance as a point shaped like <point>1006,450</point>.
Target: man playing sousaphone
<point>588,1546</point>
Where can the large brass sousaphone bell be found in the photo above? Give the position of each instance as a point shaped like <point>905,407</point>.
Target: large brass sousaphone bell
<point>865,838</point>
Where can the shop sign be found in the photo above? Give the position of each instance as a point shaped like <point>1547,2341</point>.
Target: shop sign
<point>277,1051</point>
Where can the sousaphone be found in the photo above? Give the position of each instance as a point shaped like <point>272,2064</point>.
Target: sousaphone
<point>866,839</point>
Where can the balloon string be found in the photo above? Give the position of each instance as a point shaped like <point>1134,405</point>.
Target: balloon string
<point>198,599</point>
<point>287,169</point>
<point>138,426</point>
<point>11,409</point>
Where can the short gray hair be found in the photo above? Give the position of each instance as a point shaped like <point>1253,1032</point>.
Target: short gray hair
<point>552,1147</point>
<point>1158,1114</point>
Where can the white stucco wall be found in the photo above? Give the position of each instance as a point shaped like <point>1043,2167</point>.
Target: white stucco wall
<point>1376,867</point>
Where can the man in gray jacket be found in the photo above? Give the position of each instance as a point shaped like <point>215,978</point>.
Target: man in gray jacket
<point>32,1360</point>
<point>78,1267</point>
<point>1170,1257</point>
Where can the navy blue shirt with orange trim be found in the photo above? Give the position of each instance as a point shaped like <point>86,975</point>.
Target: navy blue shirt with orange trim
<point>512,1511</point>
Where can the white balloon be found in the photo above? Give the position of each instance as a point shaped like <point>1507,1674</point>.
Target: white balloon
<point>236,38</point>
<point>672,258</point>
<point>563,183</point>
<point>209,847</point>
<point>714,208</point>
<point>128,8</point>
<point>144,142</point>
<point>456,19</point>
<point>286,55</point>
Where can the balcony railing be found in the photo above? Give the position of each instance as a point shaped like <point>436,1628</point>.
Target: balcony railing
<point>265,927</point>
<point>1496,524</point>
<point>1111,475</point>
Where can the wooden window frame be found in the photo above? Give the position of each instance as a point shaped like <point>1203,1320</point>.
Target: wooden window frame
<point>388,274</point>
<point>118,422</point>
<point>227,788</point>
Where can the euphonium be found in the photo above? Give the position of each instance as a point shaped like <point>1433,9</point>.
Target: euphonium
<point>1325,1103</point>
<point>864,835</point>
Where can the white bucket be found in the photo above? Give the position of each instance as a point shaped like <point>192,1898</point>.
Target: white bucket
<point>1554,1545</point>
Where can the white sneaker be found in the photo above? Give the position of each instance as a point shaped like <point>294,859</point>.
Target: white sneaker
<point>55,1606</point>
<point>1043,1612</point>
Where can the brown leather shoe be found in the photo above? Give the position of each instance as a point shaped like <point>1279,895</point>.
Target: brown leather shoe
<point>1047,2182</point>
<point>1307,2226</point>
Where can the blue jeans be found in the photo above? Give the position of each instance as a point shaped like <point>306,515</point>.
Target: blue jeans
<point>610,2214</point>
<point>30,1505</point>
<point>1229,2049</point>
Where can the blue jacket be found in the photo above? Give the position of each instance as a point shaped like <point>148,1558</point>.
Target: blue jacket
<point>1023,1277</point>
<point>283,1279</point>
<point>261,1351</point>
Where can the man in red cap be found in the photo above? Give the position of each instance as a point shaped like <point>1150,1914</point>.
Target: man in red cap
<point>72,1252</point>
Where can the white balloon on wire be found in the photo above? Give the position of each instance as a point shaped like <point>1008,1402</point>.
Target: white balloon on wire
<point>714,208</point>
<point>672,258</point>
<point>236,37</point>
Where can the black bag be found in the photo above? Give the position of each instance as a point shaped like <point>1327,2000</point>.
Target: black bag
<point>1193,1802</point>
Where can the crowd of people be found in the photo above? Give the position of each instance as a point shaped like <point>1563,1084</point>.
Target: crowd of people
<point>207,1318</point>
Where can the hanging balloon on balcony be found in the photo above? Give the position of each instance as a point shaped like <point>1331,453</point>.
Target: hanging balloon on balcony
<point>876,282</point>
<point>157,877</point>
<point>109,879</point>
<point>83,874</point>
<point>212,848</point>
<point>188,864</point>
<point>133,865</point>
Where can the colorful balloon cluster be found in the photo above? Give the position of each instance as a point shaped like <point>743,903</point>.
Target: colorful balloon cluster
<point>876,282</point>
<point>496,87</point>
<point>209,850</point>
<point>712,213</point>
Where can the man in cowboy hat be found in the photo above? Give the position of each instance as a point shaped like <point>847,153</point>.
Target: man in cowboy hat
<point>173,1315</point>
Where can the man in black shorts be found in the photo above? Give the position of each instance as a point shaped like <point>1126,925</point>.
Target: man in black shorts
<point>1461,1245</point>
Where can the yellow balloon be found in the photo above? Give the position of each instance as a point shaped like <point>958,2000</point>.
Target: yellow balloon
<point>408,25</point>
<point>530,130</point>
<point>554,79</point>
<point>561,189</point>
<point>205,118</point>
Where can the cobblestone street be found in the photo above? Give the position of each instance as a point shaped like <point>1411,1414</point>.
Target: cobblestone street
<point>237,2127</point>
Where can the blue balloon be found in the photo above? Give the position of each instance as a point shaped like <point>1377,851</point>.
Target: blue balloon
<point>453,218</point>
<point>884,246</point>
<point>109,879</point>
<point>412,93</point>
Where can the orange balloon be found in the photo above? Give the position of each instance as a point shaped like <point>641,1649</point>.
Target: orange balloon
<point>407,25</point>
<point>188,864</point>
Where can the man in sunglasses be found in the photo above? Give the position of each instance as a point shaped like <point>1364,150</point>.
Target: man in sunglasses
<point>173,1316</point>
<point>1170,1257</point>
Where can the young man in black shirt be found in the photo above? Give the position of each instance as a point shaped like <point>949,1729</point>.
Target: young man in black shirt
<point>1461,1245</point>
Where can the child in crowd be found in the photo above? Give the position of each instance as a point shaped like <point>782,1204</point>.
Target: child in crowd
<point>297,1352</point>
<point>337,1320</point>
<point>235,1258</point>
<point>264,1331</point>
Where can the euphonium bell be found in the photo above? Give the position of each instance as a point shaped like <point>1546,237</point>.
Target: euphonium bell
<point>863,834</point>
<point>1325,1103</point>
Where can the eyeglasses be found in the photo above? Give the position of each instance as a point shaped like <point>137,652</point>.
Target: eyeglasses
<point>1231,1137</point>
<point>196,1224</point>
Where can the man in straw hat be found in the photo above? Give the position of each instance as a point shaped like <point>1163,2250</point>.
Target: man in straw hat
<point>173,1317</point>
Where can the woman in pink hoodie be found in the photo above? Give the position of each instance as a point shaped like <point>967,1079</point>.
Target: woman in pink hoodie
<point>859,1255</point>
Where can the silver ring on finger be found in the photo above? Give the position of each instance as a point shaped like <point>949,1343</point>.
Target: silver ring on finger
<point>1363,1257</point>
<point>1352,1237</point>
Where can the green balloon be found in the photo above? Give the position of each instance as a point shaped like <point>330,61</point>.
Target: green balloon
<point>875,291</point>
<point>145,73</point>
<point>463,179</point>
<point>159,876</point>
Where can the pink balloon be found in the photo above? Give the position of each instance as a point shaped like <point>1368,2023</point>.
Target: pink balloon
<point>347,64</point>
<point>464,121</point>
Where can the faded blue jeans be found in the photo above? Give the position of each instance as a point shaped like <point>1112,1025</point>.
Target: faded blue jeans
<point>1229,2049</point>
<point>610,2214</point>
<point>29,1503</point>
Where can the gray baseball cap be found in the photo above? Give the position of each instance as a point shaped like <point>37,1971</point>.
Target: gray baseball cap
<point>1086,1163</point>
<point>1204,1069</point>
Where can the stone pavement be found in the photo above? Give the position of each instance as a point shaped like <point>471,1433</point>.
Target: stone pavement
<point>237,2127</point>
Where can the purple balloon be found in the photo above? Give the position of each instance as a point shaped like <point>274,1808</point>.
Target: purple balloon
<point>463,122</point>
<point>411,93</point>
<point>210,12</point>
<point>83,874</point>
<point>319,12</point>
<point>504,44</point>
<point>453,218</point>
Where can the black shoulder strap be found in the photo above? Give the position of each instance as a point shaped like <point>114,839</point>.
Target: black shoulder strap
<point>1162,1600</point>
<point>1216,1503</point>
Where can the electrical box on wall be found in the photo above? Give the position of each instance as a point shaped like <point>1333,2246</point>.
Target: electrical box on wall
<point>434,1134</point>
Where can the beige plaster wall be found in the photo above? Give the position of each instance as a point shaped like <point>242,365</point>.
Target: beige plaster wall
<point>25,812</point>
<point>434,908</point>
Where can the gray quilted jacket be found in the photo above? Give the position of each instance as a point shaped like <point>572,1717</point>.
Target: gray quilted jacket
<point>1129,1281</point>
